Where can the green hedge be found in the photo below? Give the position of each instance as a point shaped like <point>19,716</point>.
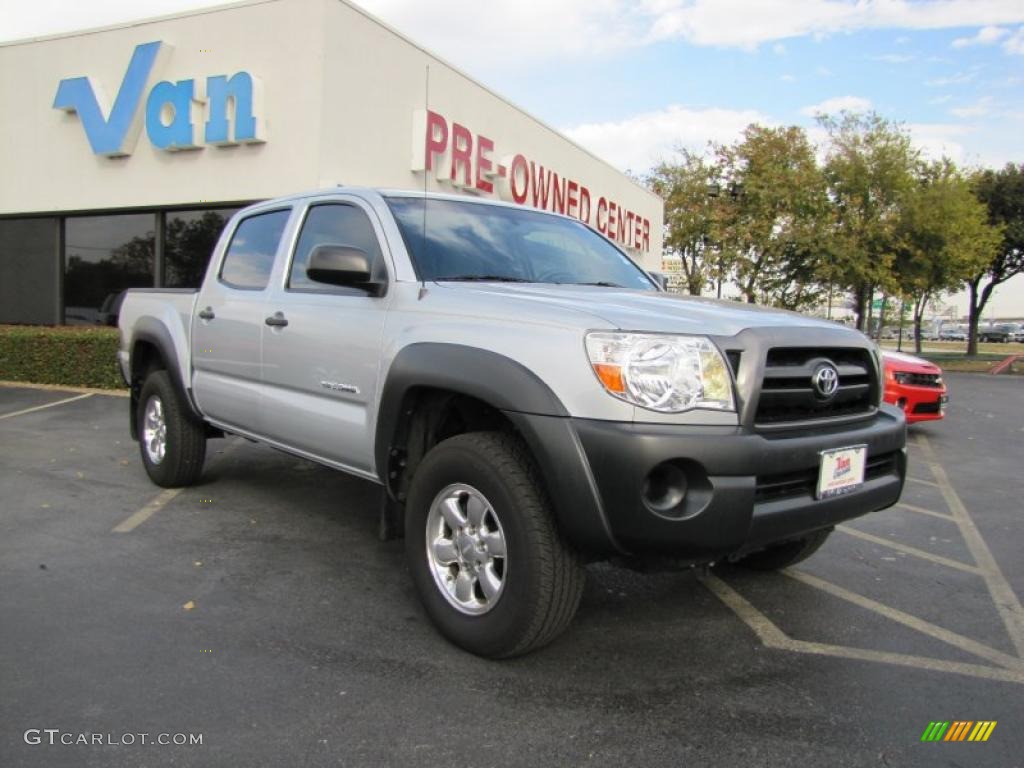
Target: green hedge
<point>69,355</point>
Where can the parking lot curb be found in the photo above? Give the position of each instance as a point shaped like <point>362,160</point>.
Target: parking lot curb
<point>62,388</point>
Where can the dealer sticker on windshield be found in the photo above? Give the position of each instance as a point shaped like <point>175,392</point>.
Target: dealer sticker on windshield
<point>842,470</point>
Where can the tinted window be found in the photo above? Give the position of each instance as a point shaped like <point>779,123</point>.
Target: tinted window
<point>104,255</point>
<point>331,224</point>
<point>250,256</point>
<point>189,240</point>
<point>455,240</point>
<point>29,263</point>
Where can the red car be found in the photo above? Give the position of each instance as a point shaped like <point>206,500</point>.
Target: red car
<point>915,386</point>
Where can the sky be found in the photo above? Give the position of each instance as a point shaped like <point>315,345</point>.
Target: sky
<point>632,80</point>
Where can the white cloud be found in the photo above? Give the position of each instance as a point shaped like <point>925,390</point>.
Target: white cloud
<point>746,25</point>
<point>985,36</point>
<point>838,104</point>
<point>893,58</point>
<point>958,79</point>
<point>640,142</point>
<point>980,108</point>
<point>779,49</point>
<point>787,78</point>
<point>937,140</point>
<point>940,99</point>
<point>1015,43</point>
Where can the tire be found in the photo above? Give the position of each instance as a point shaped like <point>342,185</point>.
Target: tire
<point>180,463</point>
<point>541,578</point>
<point>786,554</point>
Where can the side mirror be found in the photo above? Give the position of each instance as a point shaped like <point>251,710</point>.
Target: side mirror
<point>343,265</point>
<point>660,278</point>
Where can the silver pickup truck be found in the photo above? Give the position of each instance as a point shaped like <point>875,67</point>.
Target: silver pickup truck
<point>527,396</point>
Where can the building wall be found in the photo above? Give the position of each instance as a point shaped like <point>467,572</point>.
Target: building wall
<point>340,99</point>
<point>48,164</point>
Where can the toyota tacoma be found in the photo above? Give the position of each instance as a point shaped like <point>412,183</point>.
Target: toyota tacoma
<point>528,397</point>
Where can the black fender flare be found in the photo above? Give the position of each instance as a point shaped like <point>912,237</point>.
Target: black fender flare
<point>532,407</point>
<point>152,331</point>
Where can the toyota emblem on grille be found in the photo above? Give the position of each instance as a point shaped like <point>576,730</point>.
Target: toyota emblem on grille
<point>825,380</point>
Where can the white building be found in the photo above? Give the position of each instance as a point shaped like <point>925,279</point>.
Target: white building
<point>124,149</point>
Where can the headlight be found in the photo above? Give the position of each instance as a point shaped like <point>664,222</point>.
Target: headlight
<point>669,374</point>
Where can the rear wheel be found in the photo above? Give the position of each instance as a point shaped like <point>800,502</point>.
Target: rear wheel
<point>171,440</point>
<point>488,562</point>
<point>783,555</point>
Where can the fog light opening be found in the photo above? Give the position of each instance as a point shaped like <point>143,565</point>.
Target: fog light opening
<point>665,487</point>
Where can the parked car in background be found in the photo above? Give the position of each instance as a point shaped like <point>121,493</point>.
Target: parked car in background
<point>999,334</point>
<point>952,334</point>
<point>915,386</point>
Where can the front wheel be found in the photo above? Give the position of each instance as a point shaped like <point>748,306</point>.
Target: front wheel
<point>488,562</point>
<point>171,440</point>
<point>786,554</point>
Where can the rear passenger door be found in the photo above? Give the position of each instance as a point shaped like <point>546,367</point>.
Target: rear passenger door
<point>229,321</point>
<point>320,369</point>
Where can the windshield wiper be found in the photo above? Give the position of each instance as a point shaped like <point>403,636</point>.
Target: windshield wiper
<point>602,284</point>
<point>472,278</point>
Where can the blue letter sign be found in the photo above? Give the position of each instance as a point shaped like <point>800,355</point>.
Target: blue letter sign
<point>233,115</point>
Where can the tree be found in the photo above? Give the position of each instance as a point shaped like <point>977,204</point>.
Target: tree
<point>689,217</point>
<point>869,167</point>
<point>1003,194</point>
<point>775,227</point>
<point>943,237</point>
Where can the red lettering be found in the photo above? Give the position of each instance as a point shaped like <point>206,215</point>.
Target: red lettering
<point>602,216</point>
<point>627,234</point>
<point>558,198</point>
<point>572,202</point>
<point>436,138</point>
<point>519,170</point>
<point>647,235</point>
<point>612,210</point>
<point>484,166</point>
<point>620,227</point>
<point>462,149</point>
<point>584,204</point>
<point>540,181</point>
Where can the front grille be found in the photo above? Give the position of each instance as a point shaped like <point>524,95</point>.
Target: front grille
<point>935,407</point>
<point>919,379</point>
<point>805,482</point>
<point>788,395</point>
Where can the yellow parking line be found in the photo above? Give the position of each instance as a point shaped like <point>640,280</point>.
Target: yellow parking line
<point>45,405</point>
<point>133,521</point>
<point>1005,599</point>
<point>909,550</point>
<point>773,637</point>
<point>922,481</point>
<point>924,627</point>
<point>923,511</point>
<point>162,499</point>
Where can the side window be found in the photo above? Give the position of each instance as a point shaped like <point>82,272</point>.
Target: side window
<point>250,256</point>
<point>332,224</point>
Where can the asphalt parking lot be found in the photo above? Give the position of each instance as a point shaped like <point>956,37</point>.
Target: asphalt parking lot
<point>259,610</point>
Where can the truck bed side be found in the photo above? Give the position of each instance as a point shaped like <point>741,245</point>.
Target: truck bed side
<point>155,326</point>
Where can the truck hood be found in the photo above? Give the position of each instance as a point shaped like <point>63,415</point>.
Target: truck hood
<point>645,310</point>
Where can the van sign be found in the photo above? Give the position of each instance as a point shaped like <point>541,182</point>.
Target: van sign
<point>169,108</point>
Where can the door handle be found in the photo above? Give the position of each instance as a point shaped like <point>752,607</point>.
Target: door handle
<point>277,320</point>
<point>207,314</point>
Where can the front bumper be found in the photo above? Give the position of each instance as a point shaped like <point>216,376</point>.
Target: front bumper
<point>918,403</point>
<point>746,489</point>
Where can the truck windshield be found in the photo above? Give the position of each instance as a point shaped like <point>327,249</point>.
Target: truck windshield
<point>454,240</point>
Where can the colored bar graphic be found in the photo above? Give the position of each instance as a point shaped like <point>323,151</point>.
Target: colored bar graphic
<point>958,730</point>
<point>934,731</point>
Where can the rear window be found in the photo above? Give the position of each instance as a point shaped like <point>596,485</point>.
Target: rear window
<point>250,257</point>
